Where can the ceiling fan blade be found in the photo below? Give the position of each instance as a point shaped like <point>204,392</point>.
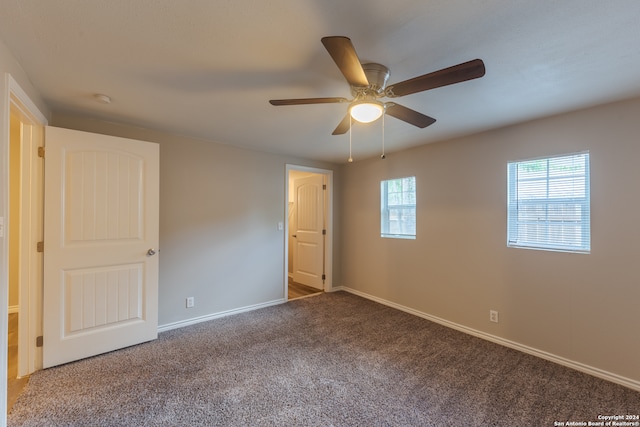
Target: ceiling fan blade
<point>408,115</point>
<point>344,125</point>
<point>447,76</point>
<point>344,55</point>
<point>303,101</point>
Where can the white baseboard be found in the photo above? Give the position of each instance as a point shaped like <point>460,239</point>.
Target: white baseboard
<point>200,319</point>
<point>596,372</point>
<point>14,309</point>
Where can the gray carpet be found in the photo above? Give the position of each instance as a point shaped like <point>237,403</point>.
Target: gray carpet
<point>330,360</point>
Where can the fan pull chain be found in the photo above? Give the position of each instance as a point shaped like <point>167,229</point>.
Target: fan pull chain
<point>350,160</point>
<point>383,156</point>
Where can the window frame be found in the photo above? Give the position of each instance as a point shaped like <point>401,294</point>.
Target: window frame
<point>385,210</point>
<point>513,221</point>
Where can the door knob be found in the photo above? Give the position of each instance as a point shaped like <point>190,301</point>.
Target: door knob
<point>151,252</point>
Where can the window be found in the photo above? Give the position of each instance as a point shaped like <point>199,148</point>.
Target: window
<point>398,208</point>
<point>549,203</point>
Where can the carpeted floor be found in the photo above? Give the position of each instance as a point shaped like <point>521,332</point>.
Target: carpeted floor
<point>331,360</point>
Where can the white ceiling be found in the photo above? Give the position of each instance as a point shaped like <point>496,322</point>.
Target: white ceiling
<point>207,68</point>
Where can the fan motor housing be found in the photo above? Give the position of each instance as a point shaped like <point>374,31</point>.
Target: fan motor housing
<point>377,75</point>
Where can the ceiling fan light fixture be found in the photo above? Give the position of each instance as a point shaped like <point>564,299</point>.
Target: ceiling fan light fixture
<point>366,111</point>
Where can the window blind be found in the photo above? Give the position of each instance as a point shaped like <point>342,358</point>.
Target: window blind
<point>398,208</point>
<point>549,203</point>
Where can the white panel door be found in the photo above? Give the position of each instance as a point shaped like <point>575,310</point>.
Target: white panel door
<point>308,259</point>
<point>101,220</point>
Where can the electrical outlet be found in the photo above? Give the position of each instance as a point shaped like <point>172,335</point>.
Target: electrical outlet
<point>191,302</point>
<point>493,316</point>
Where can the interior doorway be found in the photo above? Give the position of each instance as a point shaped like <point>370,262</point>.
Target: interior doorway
<point>15,382</point>
<point>309,231</point>
<point>24,228</point>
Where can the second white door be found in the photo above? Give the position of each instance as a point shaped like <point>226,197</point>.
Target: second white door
<point>308,259</point>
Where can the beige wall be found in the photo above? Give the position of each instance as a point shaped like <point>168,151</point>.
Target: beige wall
<point>219,213</point>
<point>580,307</point>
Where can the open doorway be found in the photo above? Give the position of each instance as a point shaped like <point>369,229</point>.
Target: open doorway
<point>309,229</point>
<point>24,227</point>
<point>15,383</point>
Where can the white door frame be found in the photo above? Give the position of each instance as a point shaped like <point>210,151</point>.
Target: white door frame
<point>31,232</point>
<point>13,95</point>
<point>328,246</point>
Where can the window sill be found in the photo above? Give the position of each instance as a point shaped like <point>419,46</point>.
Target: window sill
<point>398,236</point>
<point>538,248</point>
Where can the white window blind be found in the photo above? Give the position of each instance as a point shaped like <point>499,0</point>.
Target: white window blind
<point>398,208</point>
<point>549,203</point>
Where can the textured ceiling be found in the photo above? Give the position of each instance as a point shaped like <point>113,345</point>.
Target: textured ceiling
<point>207,68</point>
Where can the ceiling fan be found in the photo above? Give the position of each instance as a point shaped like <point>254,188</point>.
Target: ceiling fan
<point>368,83</point>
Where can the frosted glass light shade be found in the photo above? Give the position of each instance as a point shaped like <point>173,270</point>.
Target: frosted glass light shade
<point>367,112</point>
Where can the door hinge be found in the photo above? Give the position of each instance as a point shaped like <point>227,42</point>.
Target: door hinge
<point>324,277</point>
<point>40,247</point>
<point>39,341</point>
<point>324,186</point>
<point>41,152</point>
<point>324,232</point>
